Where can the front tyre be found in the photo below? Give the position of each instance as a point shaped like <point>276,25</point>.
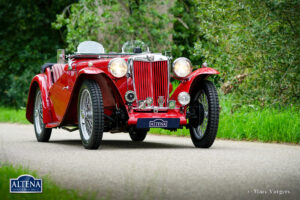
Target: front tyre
<point>138,135</point>
<point>42,134</point>
<point>90,114</point>
<point>204,120</point>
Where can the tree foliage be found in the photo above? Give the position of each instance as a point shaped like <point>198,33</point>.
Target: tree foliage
<point>113,22</point>
<point>27,41</point>
<point>254,44</point>
<point>186,30</point>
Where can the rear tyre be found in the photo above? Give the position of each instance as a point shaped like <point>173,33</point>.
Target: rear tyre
<point>203,124</point>
<point>42,134</point>
<point>138,135</point>
<point>90,114</point>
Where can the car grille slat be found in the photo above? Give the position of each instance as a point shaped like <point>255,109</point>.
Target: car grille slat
<point>151,80</point>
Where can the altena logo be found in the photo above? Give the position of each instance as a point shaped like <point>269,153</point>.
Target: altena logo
<point>158,123</point>
<point>25,184</point>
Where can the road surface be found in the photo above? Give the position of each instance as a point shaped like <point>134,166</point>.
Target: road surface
<point>162,167</point>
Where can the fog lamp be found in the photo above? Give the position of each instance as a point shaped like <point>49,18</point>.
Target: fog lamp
<point>130,96</point>
<point>184,98</point>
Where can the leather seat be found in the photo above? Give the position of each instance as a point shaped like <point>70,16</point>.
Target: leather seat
<point>57,71</point>
<point>46,65</point>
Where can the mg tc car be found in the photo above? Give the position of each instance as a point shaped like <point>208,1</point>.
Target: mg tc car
<point>131,91</point>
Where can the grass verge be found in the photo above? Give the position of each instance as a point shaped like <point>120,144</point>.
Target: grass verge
<point>253,123</point>
<point>13,116</point>
<point>267,125</point>
<point>50,189</point>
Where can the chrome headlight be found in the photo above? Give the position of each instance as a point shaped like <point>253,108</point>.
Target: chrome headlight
<point>182,67</point>
<point>118,67</point>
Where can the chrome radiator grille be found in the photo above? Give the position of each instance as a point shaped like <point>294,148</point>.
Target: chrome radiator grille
<point>151,79</point>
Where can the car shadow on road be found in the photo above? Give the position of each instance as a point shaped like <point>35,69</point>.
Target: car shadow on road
<point>123,144</point>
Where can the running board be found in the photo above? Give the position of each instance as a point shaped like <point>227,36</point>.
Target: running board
<point>52,125</point>
<point>70,129</point>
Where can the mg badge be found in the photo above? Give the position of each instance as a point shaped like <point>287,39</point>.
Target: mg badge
<point>161,101</point>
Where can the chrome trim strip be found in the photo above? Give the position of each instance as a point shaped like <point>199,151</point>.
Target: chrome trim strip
<point>151,72</point>
<point>133,82</point>
<point>155,107</point>
<point>168,95</point>
<point>146,57</point>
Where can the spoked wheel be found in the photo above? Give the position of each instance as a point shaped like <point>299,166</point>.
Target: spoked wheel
<point>90,114</point>
<point>42,134</point>
<point>138,135</point>
<point>204,120</point>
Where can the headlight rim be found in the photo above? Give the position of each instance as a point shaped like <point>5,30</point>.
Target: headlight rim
<point>114,60</point>
<point>126,96</point>
<point>183,93</point>
<point>186,59</point>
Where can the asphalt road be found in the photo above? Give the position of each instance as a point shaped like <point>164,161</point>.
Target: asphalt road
<point>162,167</point>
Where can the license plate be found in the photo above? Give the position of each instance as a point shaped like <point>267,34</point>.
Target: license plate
<point>158,123</point>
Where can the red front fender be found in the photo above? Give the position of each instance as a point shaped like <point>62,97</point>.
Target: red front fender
<point>104,81</point>
<point>90,70</point>
<point>39,81</point>
<point>186,85</point>
<point>110,93</point>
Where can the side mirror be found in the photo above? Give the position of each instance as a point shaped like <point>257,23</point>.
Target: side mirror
<point>60,56</point>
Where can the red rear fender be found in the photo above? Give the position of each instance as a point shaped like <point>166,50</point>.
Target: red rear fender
<point>39,82</point>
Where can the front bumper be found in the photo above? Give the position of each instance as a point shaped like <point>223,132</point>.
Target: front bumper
<point>173,114</point>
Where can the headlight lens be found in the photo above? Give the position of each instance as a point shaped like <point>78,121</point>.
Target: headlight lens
<point>182,67</point>
<point>184,98</point>
<point>118,67</point>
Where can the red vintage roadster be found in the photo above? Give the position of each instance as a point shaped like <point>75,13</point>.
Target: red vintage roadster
<point>98,92</point>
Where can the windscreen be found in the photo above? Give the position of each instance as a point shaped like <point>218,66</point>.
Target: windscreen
<point>134,46</point>
<point>90,47</point>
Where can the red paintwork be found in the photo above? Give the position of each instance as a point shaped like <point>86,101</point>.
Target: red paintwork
<point>60,98</point>
<point>59,94</point>
<point>187,83</point>
<point>40,81</point>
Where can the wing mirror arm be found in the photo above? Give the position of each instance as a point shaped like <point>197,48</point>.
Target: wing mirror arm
<point>70,62</point>
<point>169,55</point>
